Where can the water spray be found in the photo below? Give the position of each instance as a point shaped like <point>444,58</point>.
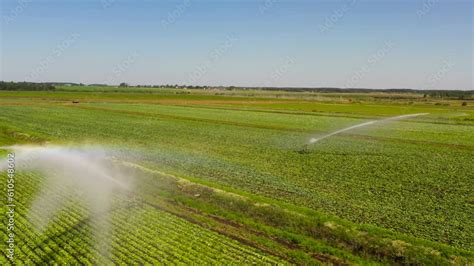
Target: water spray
<point>313,140</point>
<point>87,173</point>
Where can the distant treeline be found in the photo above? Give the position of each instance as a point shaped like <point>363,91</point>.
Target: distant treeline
<point>25,86</point>
<point>459,94</point>
<point>456,94</point>
<point>452,94</point>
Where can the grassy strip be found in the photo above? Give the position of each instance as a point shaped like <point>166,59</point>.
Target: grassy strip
<point>10,135</point>
<point>309,230</point>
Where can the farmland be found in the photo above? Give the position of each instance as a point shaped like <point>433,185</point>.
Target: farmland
<point>226,176</point>
<point>168,239</point>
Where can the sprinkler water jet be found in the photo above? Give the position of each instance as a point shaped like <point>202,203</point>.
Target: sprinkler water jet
<point>305,148</point>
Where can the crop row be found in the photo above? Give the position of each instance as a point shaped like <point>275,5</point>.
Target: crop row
<point>136,234</point>
<point>409,176</point>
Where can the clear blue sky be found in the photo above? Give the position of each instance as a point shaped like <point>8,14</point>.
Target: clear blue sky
<point>425,44</point>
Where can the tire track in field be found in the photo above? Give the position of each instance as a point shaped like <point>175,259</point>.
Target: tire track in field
<point>187,118</point>
<point>411,141</point>
<point>27,138</point>
<point>250,125</point>
<point>274,111</point>
<point>317,113</point>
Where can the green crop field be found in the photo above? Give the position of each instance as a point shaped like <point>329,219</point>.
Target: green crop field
<point>229,177</point>
<point>141,234</point>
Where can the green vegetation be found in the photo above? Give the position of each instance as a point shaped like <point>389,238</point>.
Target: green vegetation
<point>25,86</point>
<point>229,169</point>
<point>141,234</point>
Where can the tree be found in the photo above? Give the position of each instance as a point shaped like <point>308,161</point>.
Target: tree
<point>123,84</point>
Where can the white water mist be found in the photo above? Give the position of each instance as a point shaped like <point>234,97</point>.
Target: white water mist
<point>314,140</point>
<point>85,173</point>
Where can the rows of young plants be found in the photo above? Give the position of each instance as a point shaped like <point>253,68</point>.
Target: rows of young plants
<point>410,176</point>
<point>137,233</point>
